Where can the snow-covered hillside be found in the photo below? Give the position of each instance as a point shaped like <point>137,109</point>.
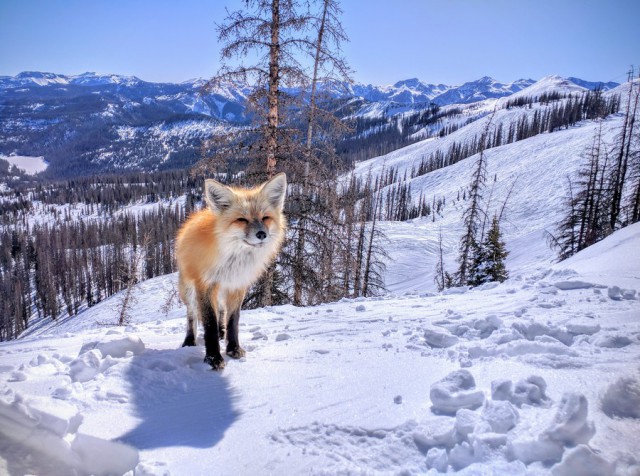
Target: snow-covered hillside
<point>533,173</point>
<point>537,375</point>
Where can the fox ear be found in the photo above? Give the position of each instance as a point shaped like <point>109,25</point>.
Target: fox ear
<point>218,196</point>
<point>275,190</point>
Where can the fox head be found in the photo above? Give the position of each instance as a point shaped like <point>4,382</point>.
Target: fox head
<point>249,217</point>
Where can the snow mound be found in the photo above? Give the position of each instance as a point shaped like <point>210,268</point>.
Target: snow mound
<point>455,391</point>
<point>622,398</point>
<point>530,391</point>
<point>439,338</point>
<point>48,434</point>
<point>116,345</point>
<point>583,461</point>
<point>570,425</point>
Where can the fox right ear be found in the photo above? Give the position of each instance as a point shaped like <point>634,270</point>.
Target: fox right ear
<point>217,196</point>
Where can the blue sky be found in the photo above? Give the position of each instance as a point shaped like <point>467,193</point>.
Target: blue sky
<point>438,41</point>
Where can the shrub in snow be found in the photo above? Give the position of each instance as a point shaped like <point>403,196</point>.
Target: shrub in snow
<point>582,461</point>
<point>455,391</point>
<point>622,398</point>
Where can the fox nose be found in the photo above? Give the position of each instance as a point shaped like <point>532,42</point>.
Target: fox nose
<point>261,235</point>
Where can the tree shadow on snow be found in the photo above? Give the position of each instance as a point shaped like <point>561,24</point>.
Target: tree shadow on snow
<point>179,400</point>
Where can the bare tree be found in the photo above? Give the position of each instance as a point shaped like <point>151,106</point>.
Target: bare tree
<point>271,32</point>
<point>440,276</point>
<point>129,279</point>
<point>623,146</point>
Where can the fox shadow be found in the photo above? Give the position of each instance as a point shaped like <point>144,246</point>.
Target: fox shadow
<point>178,399</point>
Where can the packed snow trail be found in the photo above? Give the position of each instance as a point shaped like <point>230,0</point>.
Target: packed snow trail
<point>538,375</point>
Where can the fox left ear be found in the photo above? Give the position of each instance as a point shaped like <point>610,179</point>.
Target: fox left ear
<point>275,190</point>
<point>218,196</point>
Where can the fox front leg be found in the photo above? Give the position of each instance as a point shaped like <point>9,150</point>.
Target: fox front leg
<point>233,345</point>
<point>211,335</point>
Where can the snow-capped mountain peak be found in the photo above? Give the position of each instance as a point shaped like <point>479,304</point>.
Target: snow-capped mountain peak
<point>94,79</point>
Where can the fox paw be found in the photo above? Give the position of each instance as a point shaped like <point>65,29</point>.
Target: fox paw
<point>236,353</point>
<point>189,341</point>
<point>215,361</point>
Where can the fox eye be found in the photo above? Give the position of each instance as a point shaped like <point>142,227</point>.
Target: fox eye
<point>242,220</point>
<point>266,217</point>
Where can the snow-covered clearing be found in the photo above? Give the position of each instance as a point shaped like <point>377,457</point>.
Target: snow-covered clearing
<point>542,371</point>
<point>29,165</point>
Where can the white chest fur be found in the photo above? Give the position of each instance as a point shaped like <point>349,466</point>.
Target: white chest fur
<point>239,268</point>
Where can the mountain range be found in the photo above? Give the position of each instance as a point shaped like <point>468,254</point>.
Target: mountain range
<point>92,123</point>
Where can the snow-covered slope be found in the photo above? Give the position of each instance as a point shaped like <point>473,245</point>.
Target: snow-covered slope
<point>534,170</point>
<point>542,371</point>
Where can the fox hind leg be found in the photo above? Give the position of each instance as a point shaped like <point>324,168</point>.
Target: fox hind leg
<point>233,344</point>
<point>222,323</point>
<point>190,338</point>
<point>193,310</point>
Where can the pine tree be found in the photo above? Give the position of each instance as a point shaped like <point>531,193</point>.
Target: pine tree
<point>441,274</point>
<point>494,253</point>
<point>473,215</point>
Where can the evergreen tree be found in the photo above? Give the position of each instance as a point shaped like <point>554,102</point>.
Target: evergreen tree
<point>473,215</point>
<point>489,257</point>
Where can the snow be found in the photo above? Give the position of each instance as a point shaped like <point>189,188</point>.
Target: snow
<point>541,378</point>
<point>30,165</point>
<point>536,168</point>
<point>549,83</point>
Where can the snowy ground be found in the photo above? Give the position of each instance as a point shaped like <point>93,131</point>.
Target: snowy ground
<point>538,375</point>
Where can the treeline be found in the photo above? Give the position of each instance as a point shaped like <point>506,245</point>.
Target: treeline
<point>65,263</point>
<point>109,191</point>
<point>563,114</point>
<point>372,137</point>
<point>52,270</point>
<point>605,196</point>
<point>562,111</point>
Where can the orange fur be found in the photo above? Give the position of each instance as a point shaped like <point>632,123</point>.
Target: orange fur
<point>223,249</point>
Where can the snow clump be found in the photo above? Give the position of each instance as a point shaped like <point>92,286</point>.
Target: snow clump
<point>455,391</point>
<point>622,398</point>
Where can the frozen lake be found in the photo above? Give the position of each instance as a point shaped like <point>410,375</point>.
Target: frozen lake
<point>31,165</point>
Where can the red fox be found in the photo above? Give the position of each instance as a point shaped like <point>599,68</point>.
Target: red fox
<point>221,251</point>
